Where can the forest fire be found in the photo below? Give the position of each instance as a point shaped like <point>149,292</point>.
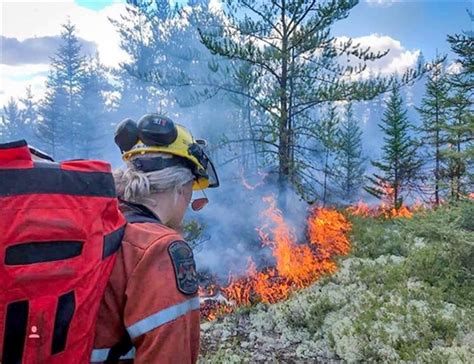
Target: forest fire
<point>383,210</point>
<point>296,265</point>
<point>386,209</point>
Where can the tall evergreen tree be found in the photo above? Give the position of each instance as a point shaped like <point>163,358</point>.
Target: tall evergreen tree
<point>399,164</point>
<point>328,138</point>
<point>93,131</point>
<point>297,67</point>
<point>137,33</point>
<point>433,111</point>
<point>51,129</point>
<point>60,107</point>
<point>29,115</point>
<point>12,127</point>
<point>460,128</point>
<point>350,166</point>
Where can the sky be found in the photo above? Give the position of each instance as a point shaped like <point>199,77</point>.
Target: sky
<point>30,29</point>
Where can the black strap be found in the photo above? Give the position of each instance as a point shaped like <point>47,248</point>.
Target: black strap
<point>41,252</point>
<point>55,181</point>
<point>64,313</point>
<point>15,332</point>
<point>158,163</point>
<point>121,348</point>
<point>112,242</point>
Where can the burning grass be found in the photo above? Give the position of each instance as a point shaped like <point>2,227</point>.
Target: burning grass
<point>296,265</point>
<point>404,294</point>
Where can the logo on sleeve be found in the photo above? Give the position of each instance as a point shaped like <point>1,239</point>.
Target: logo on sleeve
<point>184,267</point>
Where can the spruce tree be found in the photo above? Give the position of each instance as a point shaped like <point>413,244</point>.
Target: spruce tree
<point>460,128</point>
<point>399,164</point>
<point>29,115</point>
<point>94,129</point>
<point>12,126</point>
<point>433,111</point>
<point>60,107</point>
<point>328,139</point>
<point>350,162</point>
<point>52,128</point>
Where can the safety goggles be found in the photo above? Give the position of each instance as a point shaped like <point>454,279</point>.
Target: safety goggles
<point>209,172</point>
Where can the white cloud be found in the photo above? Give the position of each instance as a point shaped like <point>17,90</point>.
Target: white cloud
<point>15,79</point>
<point>36,18</point>
<point>381,2</point>
<point>398,60</point>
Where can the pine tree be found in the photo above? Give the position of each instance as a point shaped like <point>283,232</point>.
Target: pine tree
<point>328,138</point>
<point>51,129</point>
<point>460,128</point>
<point>136,31</point>
<point>399,163</point>
<point>29,115</point>
<point>433,111</point>
<point>297,68</point>
<point>60,107</point>
<point>93,132</point>
<point>350,166</point>
<point>12,126</point>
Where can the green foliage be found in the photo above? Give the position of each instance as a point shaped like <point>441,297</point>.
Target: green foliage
<point>11,120</point>
<point>460,128</point>
<point>399,163</point>
<point>404,295</point>
<point>350,160</point>
<point>73,122</point>
<point>434,113</point>
<point>296,68</point>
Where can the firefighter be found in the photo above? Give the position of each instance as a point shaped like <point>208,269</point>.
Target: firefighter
<point>150,309</point>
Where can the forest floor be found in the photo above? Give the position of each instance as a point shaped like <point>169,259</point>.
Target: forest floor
<point>405,293</point>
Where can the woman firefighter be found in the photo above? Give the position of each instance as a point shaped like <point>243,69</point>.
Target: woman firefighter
<point>150,309</point>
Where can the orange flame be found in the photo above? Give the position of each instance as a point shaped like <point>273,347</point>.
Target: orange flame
<point>296,265</point>
<point>385,209</point>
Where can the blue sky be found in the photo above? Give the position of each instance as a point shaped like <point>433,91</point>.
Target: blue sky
<point>417,24</point>
<point>96,4</point>
<point>405,27</point>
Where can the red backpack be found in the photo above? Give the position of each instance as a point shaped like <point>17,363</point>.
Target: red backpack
<point>60,228</point>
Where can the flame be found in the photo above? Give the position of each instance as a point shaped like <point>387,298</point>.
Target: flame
<point>385,209</point>
<point>360,209</point>
<point>296,265</point>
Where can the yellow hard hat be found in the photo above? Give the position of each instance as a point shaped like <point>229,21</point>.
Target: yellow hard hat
<point>155,133</point>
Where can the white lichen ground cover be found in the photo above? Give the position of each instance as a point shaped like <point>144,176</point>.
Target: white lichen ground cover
<point>405,294</point>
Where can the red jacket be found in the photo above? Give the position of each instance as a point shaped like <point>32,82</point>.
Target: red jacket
<point>152,296</point>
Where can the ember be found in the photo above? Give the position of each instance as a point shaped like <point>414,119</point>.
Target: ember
<point>296,265</point>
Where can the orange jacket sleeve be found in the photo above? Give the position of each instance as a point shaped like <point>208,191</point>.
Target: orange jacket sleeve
<point>161,312</point>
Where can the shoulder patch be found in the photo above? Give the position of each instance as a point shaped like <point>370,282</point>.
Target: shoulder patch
<point>184,267</point>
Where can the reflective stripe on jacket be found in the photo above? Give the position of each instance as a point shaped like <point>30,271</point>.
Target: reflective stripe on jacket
<point>143,300</point>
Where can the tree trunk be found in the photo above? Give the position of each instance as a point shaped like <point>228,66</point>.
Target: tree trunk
<point>284,150</point>
<point>326,161</point>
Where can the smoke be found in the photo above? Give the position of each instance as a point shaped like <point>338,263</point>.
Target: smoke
<point>232,218</point>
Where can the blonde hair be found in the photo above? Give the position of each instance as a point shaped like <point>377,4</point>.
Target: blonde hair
<point>137,186</point>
